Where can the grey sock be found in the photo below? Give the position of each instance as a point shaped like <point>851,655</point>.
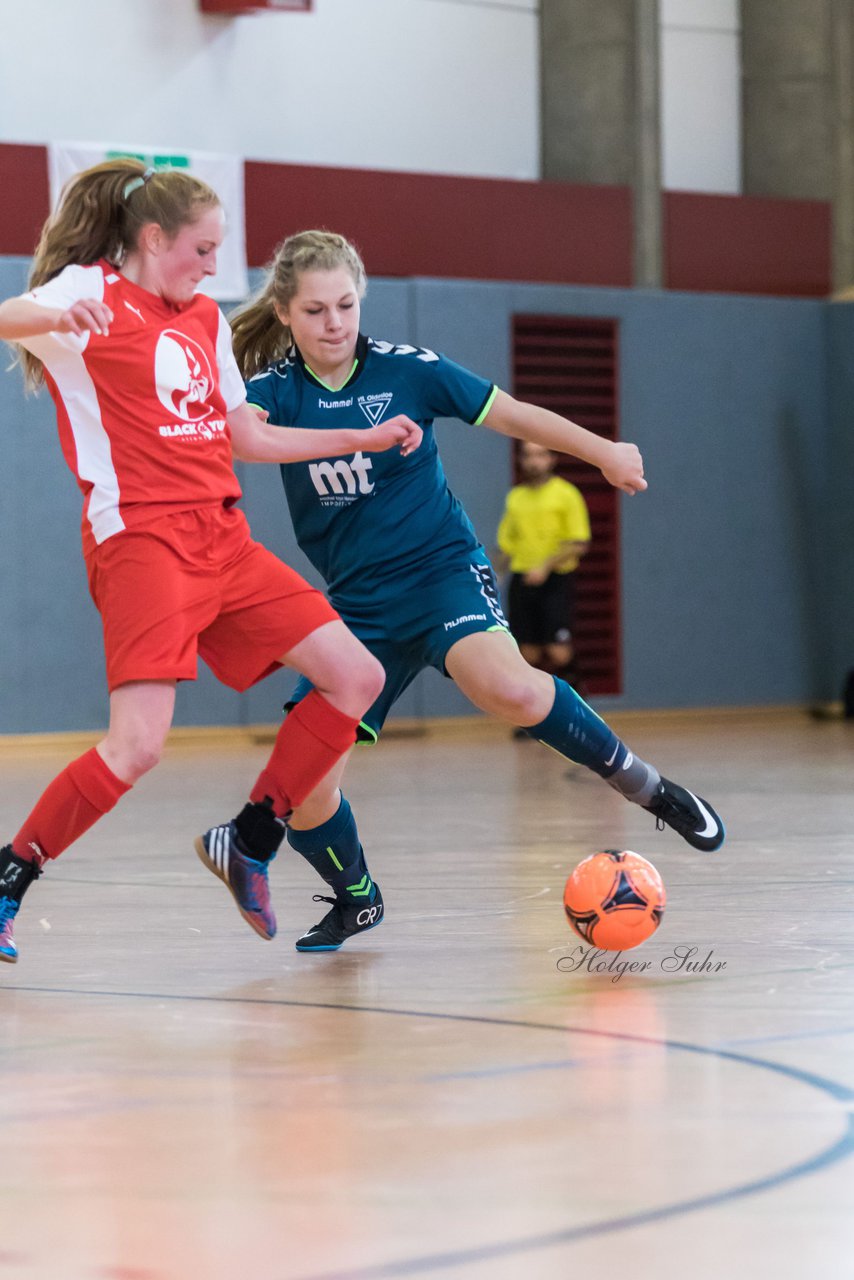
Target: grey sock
<point>636,780</point>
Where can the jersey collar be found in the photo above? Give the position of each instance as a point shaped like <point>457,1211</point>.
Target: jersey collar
<point>152,300</point>
<point>358,365</point>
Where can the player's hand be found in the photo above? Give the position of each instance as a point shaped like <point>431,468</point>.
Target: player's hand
<point>624,468</point>
<point>535,577</point>
<point>86,316</point>
<point>399,430</point>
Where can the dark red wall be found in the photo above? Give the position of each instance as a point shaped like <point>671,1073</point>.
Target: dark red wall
<point>410,224</point>
<point>421,224</point>
<point>24,198</point>
<point>747,244</point>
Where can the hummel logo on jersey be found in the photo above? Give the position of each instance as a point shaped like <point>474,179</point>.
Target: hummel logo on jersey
<point>341,479</point>
<point>374,407</point>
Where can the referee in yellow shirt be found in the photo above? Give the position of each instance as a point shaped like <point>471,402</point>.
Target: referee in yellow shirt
<point>544,532</point>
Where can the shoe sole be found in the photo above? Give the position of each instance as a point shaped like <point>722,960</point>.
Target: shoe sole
<point>8,959</point>
<point>199,846</point>
<point>306,950</point>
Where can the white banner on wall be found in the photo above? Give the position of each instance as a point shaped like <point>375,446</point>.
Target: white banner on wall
<point>223,173</point>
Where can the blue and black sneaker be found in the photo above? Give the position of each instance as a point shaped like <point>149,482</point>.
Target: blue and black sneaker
<point>344,921</point>
<point>16,876</point>
<point>223,853</point>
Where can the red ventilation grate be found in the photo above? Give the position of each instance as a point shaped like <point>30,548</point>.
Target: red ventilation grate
<point>569,365</point>
<point>236,8</point>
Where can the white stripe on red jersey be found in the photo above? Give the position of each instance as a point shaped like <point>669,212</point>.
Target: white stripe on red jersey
<point>142,410</point>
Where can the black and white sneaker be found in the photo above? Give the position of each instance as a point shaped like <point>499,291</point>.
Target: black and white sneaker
<point>344,921</point>
<point>693,818</point>
<point>16,876</point>
<point>221,851</point>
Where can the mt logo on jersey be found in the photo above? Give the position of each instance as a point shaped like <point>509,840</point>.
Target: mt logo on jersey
<point>183,376</point>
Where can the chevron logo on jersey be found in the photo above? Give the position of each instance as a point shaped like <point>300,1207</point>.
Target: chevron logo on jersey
<point>402,349</point>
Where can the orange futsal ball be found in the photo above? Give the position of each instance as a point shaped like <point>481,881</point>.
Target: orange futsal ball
<point>615,900</point>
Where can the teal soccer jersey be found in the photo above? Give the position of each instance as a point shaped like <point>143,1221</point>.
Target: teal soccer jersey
<point>371,520</point>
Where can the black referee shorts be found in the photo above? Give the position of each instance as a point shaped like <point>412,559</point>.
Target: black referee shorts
<point>542,615</point>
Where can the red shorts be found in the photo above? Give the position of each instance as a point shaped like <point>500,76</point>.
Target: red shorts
<point>194,583</point>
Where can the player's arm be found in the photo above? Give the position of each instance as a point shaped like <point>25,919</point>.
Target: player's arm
<point>620,463</point>
<point>22,318</point>
<point>254,440</point>
<point>569,552</point>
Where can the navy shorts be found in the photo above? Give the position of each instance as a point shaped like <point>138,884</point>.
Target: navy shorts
<point>417,628</point>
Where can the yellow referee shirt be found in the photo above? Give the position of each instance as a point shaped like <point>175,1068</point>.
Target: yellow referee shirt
<point>538,519</point>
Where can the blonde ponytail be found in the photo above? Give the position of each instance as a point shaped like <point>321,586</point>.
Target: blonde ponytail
<point>258,336</point>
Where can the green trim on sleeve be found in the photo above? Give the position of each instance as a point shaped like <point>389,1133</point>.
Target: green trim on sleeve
<point>486,408</point>
<point>253,405</point>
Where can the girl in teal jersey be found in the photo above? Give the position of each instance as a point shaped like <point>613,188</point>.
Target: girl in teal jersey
<point>400,557</point>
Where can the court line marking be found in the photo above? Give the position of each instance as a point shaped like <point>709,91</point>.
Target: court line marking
<point>839,1150</point>
<point>819,1033</point>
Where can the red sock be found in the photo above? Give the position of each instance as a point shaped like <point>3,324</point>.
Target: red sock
<point>312,739</point>
<point>74,801</point>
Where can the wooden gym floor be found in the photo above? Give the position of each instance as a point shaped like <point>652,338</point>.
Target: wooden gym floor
<point>447,1096</point>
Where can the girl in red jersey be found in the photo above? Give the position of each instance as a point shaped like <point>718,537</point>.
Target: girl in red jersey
<point>151,408</point>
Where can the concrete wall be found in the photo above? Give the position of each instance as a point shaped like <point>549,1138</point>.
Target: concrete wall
<point>590,78</point>
<point>789,113</point>
<point>725,564</point>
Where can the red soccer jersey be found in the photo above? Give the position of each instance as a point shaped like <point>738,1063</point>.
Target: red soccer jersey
<point>141,411</point>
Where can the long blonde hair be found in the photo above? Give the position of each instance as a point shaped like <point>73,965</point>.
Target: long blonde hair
<point>258,335</point>
<point>100,215</point>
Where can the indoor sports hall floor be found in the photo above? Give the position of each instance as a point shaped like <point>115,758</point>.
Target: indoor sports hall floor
<point>447,1096</point>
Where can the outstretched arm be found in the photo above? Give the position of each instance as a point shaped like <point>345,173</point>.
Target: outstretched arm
<point>22,318</point>
<point>620,463</point>
<point>254,440</point>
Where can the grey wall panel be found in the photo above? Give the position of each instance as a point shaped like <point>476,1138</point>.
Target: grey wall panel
<point>51,672</point>
<point>723,395</point>
<point>835,536</point>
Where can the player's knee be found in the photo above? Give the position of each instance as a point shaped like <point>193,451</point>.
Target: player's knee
<point>519,702</point>
<point>139,752</point>
<point>368,679</point>
<point>357,683</point>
